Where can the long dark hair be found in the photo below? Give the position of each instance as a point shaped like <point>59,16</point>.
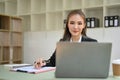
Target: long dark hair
<point>67,34</point>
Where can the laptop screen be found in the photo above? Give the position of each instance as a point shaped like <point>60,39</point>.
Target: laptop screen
<point>86,59</point>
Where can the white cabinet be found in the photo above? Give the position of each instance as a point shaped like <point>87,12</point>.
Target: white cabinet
<point>47,15</point>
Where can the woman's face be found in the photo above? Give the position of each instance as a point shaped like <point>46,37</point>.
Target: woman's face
<point>76,25</point>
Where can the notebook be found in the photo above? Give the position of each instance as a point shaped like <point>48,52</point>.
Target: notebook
<point>82,60</point>
<point>32,70</point>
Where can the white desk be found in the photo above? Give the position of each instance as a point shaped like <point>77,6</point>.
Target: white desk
<point>5,74</point>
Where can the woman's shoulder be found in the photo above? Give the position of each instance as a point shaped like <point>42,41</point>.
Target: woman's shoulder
<point>88,39</point>
<point>84,39</point>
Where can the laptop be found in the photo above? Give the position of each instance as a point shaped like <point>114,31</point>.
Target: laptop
<point>82,60</point>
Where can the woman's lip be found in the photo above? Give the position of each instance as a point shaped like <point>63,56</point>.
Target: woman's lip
<point>75,31</point>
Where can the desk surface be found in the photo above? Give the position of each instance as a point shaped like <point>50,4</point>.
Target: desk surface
<point>5,74</point>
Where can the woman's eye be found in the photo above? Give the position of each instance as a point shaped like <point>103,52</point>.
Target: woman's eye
<point>71,22</point>
<point>79,23</point>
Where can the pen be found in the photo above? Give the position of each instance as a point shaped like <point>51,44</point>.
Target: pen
<point>21,71</point>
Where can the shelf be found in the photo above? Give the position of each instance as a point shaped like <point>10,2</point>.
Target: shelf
<point>110,5</point>
<point>4,62</point>
<point>24,7</point>
<point>6,54</point>
<point>0,53</point>
<point>11,7</point>
<point>0,40</point>
<point>41,15</point>
<point>71,4</point>
<point>112,28</point>
<point>16,24</point>
<point>95,12</point>
<point>54,5</point>
<point>10,37</point>
<point>54,21</point>
<point>112,2</point>
<point>4,22</point>
<point>17,61</point>
<point>38,6</point>
<point>26,22</point>
<point>92,3</point>
<point>2,7</point>
<point>3,30</point>
<point>58,5</point>
<point>38,21</point>
<point>113,10</point>
<point>17,54</point>
<point>16,39</point>
<point>5,38</point>
<point>2,0</point>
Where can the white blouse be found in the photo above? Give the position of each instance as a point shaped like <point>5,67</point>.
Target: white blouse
<point>78,40</point>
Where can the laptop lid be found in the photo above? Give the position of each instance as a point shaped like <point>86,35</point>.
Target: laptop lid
<point>82,60</point>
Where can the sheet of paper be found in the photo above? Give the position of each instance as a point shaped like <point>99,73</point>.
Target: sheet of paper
<point>16,65</point>
<point>31,69</point>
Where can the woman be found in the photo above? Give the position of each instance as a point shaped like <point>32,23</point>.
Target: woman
<point>75,31</point>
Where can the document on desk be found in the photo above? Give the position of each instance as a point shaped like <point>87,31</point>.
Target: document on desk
<point>16,65</point>
<point>31,69</point>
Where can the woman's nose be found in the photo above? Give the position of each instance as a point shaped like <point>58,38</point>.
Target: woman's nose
<point>75,26</point>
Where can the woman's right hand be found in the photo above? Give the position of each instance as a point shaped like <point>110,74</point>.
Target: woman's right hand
<point>39,63</point>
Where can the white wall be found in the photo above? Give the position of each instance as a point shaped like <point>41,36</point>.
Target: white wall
<point>40,44</point>
<point>43,44</point>
<point>108,35</point>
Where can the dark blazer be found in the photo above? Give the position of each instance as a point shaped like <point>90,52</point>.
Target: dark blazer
<point>52,60</point>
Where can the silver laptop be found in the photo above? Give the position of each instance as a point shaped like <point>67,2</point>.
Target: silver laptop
<point>82,60</point>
